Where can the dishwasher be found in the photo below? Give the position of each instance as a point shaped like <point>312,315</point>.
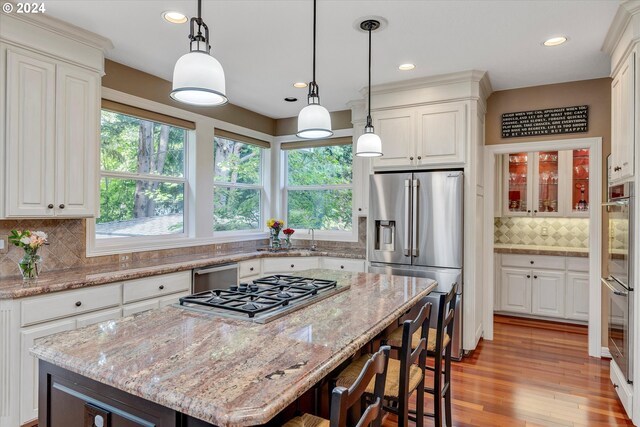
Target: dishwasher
<point>215,277</point>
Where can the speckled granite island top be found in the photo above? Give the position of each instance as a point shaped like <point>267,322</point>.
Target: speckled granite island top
<point>234,372</point>
<point>55,281</point>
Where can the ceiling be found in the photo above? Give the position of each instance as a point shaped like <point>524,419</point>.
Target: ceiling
<point>265,45</point>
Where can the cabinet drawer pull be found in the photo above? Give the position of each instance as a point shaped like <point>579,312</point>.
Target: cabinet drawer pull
<point>529,211</point>
<point>531,261</point>
<point>359,209</point>
<point>50,206</point>
<point>61,206</point>
<point>615,385</point>
<point>411,158</point>
<point>342,267</point>
<point>292,265</point>
<point>528,276</point>
<point>250,268</point>
<point>161,287</point>
<point>419,157</point>
<point>535,277</point>
<point>78,303</point>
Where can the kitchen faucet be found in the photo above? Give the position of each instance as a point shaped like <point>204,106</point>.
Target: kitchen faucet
<point>313,239</point>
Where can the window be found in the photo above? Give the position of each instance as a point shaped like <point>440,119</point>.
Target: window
<point>237,192</point>
<point>142,177</point>
<point>319,187</point>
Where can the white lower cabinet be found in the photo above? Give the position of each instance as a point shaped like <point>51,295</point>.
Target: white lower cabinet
<point>286,265</point>
<point>545,286</point>
<point>547,293</point>
<point>515,294</point>
<point>343,264</point>
<point>577,296</point>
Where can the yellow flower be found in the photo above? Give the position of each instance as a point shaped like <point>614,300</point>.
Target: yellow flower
<point>271,222</point>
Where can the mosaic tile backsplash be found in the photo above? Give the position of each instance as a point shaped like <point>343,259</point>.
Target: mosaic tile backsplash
<point>67,246</point>
<point>565,232</point>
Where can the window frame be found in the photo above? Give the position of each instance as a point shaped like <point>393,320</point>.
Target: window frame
<point>305,233</point>
<point>263,187</point>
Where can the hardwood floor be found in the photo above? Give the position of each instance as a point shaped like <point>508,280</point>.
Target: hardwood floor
<point>533,373</point>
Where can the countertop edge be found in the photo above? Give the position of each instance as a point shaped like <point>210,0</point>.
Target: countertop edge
<point>170,267</point>
<point>550,251</point>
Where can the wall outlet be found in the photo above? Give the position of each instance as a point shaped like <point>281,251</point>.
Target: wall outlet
<point>545,231</point>
<point>126,257</point>
<point>4,244</point>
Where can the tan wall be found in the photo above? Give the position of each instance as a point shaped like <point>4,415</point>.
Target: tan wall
<point>135,82</point>
<point>594,93</point>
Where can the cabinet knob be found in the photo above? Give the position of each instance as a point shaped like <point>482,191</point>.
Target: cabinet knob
<point>78,303</point>
<point>615,386</point>
<point>342,267</point>
<point>531,261</point>
<point>161,287</point>
<point>535,211</point>
<point>411,158</point>
<point>292,266</point>
<point>529,211</point>
<point>61,206</point>
<point>359,209</point>
<point>535,277</point>
<point>419,157</point>
<point>250,268</point>
<point>528,276</point>
<point>617,168</point>
<point>50,206</point>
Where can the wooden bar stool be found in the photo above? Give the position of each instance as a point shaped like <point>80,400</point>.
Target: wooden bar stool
<point>343,398</point>
<point>439,347</point>
<point>404,376</point>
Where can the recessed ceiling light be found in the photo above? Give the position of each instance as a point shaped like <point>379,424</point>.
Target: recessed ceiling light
<point>300,85</point>
<point>406,67</point>
<point>290,99</point>
<point>174,17</point>
<point>555,41</point>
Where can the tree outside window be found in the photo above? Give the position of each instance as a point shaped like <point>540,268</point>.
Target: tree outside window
<point>237,197</point>
<point>319,188</point>
<point>142,180</point>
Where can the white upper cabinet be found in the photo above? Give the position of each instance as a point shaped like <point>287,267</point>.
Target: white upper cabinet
<point>440,134</point>
<point>30,121</point>
<point>50,104</point>
<point>52,126</point>
<point>421,136</point>
<point>396,128</point>
<point>622,121</point>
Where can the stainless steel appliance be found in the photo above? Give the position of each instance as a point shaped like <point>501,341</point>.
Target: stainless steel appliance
<point>264,299</point>
<point>416,229</point>
<point>620,283</point>
<point>215,277</point>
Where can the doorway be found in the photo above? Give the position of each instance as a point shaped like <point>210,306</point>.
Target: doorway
<point>595,177</point>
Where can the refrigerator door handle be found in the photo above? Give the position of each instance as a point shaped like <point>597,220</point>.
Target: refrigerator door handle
<point>414,226</point>
<point>407,195</point>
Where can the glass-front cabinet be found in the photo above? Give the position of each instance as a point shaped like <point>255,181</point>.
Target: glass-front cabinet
<point>546,183</point>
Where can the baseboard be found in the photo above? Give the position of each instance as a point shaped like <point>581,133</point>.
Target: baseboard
<point>33,423</point>
<point>604,352</point>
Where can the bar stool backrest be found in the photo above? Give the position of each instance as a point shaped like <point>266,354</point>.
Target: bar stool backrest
<point>419,354</point>
<point>446,308</point>
<point>342,398</point>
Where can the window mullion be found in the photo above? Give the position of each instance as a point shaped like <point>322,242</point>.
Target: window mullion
<point>142,177</point>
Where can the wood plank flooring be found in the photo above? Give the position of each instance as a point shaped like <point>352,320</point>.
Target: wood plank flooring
<point>533,373</point>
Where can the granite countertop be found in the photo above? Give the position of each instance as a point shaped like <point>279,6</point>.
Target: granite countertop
<point>234,372</point>
<point>54,281</point>
<point>540,250</point>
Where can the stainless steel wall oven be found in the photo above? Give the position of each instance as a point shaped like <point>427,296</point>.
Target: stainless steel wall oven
<point>620,282</point>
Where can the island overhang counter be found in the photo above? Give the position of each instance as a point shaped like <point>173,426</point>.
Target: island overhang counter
<point>223,371</point>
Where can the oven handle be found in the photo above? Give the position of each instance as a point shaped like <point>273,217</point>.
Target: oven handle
<point>612,289</point>
<point>214,269</point>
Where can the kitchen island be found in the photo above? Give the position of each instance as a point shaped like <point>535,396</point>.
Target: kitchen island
<point>212,369</point>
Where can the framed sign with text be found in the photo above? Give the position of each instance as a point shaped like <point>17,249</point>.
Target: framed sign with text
<point>546,122</point>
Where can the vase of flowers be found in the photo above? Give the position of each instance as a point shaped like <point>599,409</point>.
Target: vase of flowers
<point>274,225</point>
<point>287,233</point>
<point>31,241</point>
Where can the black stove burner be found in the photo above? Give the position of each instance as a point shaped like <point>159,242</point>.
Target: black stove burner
<point>267,293</point>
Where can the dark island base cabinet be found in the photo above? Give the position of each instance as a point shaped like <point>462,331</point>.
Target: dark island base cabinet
<point>67,399</point>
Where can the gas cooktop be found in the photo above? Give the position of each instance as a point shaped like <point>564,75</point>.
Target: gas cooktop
<point>263,299</point>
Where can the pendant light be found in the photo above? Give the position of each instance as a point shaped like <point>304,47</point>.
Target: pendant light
<point>314,120</point>
<point>369,144</point>
<point>198,78</point>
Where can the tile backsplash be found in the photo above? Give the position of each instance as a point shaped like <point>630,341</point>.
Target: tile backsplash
<point>67,246</point>
<point>565,232</point>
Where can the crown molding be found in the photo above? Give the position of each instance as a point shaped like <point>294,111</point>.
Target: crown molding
<point>626,11</point>
<point>62,28</point>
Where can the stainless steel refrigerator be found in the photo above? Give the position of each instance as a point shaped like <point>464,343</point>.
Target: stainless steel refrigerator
<point>416,229</point>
